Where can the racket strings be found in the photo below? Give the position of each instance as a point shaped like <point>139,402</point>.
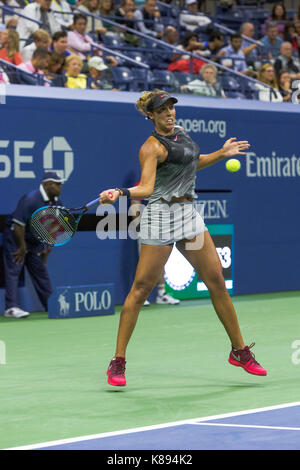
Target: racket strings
<point>53,225</point>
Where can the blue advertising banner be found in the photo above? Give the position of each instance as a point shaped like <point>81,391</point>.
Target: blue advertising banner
<point>93,138</point>
<point>82,301</point>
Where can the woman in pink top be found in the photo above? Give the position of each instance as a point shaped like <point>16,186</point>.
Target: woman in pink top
<point>38,64</point>
<point>78,41</point>
<point>278,15</point>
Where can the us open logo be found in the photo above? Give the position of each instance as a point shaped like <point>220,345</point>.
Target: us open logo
<point>59,144</point>
<point>19,160</point>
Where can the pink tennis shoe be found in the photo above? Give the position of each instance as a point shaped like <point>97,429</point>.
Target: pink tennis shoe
<point>245,358</point>
<point>116,372</point>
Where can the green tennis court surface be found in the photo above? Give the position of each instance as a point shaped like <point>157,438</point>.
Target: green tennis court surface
<point>53,381</point>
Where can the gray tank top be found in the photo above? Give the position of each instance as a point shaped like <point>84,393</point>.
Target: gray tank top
<point>176,176</point>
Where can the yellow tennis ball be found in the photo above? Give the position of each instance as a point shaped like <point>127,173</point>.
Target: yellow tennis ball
<point>233,165</point>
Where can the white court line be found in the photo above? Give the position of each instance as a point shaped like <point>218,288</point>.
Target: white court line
<point>151,428</point>
<point>280,428</point>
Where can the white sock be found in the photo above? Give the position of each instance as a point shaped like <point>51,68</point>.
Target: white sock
<point>161,290</point>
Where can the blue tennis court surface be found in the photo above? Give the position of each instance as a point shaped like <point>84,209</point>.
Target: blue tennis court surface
<point>272,428</point>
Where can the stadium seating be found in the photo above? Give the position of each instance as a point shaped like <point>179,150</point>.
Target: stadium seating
<point>164,79</point>
<point>230,84</point>
<point>143,78</point>
<point>128,76</point>
<point>123,78</point>
<point>20,77</point>
<point>137,56</point>
<point>182,78</point>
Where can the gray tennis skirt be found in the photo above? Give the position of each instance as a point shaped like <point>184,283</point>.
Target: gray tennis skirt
<point>164,223</point>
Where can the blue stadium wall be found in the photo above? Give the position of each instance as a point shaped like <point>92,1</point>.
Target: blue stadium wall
<point>93,139</point>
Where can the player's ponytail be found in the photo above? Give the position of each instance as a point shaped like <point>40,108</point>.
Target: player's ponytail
<point>143,102</point>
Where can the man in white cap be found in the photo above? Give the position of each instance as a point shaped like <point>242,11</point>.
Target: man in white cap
<point>21,248</point>
<point>96,67</point>
<point>191,18</point>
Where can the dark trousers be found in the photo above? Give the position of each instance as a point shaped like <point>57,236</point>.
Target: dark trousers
<point>34,264</point>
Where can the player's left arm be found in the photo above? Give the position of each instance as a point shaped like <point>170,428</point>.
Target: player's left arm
<point>230,148</point>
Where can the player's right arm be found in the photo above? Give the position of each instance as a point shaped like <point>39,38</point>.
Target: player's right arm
<point>151,153</point>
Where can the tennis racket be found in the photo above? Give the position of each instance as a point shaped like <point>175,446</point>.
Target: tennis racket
<point>56,225</point>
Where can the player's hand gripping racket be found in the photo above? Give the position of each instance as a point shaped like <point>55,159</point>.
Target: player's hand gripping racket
<point>56,225</point>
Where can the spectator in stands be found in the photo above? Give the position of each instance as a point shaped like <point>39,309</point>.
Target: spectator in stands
<point>279,16</point>
<point>107,8</point>
<point>39,10</point>
<point>207,84</point>
<point>95,79</point>
<point>297,14</point>
<point>266,76</point>
<point>39,62</point>
<point>191,19</point>
<point>190,43</point>
<point>62,13</point>
<point>40,39</point>
<point>234,57</point>
<point>10,51</point>
<point>79,42</point>
<point>4,80</point>
<point>169,11</point>
<point>161,59</point>
<point>93,24</point>
<point>10,20</point>
<point>149,19</point>
<point>3,35</point>
<point>73,78</point>
<point>56,64</point>
<point>297,26</point>
<point>249,48</point>
<point>290,35</point>
<point>285,85</point>
<point>286,61</point>
<point>60,43</point>
<point>211,47</point>
<point>21,249</point>
<point>271,42</point>
<point>124,14</point>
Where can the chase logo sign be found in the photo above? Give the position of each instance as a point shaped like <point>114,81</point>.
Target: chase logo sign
<point>82,301</point>
<point>20,159</point>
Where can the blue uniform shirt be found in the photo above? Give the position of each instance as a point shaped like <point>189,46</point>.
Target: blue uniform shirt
<point>238,62</point>
<point>26,206</point>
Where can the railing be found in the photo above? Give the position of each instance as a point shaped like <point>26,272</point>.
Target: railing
<point>21,76</point>
<point>174,49</point>
<point>119,54</point>
<point>12,11</point>
<point>168,47</point>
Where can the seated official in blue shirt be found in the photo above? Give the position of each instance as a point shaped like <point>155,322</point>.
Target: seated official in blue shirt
<point>21,248</point>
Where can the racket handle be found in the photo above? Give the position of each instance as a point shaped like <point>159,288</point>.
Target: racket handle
<point>93,203</point>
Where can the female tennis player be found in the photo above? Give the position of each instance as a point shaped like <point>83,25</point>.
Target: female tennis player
<point>169,160</point>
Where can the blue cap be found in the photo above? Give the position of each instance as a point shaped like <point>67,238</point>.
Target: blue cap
<point>52,176</point>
